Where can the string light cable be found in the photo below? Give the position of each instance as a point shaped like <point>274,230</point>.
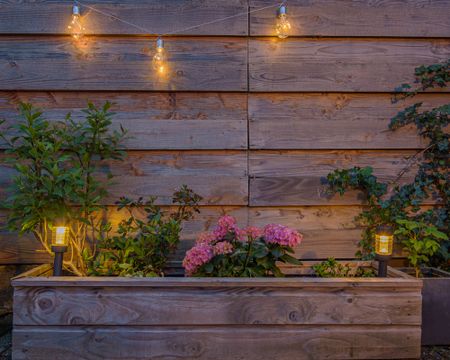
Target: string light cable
<point>148,31</point>
<point>159,59</point>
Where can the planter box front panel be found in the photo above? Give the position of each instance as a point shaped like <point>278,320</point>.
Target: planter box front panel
<point>188,318</point>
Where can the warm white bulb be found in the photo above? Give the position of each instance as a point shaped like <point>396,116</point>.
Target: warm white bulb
<point>160,58</point>
<point>76,27</point>
<point>283,26</point>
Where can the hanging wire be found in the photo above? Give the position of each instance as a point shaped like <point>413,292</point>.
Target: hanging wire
<point>179,30</point>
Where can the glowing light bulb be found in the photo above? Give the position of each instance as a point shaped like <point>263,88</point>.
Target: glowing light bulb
<point>76,27</point>
<point>283,25</point>
<point>160,58</point>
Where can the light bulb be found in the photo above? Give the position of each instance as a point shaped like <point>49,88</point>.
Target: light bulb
<point>160,58</point>
<point>283,25</point>
<point>76,27</point>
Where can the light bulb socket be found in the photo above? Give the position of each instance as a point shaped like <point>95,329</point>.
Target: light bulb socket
<point>282,10</point>
<point>159,43</point>
<point>75,10</point>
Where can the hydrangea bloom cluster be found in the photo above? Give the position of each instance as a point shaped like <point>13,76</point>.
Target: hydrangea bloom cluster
<point>228,237</point>
<point>282,235</point>
<point>197,256</point>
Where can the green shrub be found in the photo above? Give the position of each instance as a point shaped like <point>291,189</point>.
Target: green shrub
<point>142,247</point>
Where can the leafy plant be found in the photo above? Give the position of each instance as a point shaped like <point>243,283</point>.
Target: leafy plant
<point>420,240</point>
<point>331,268</point>
<point>386,203</point>
<point>57,175</point>
<point>142,247</point>
<point>232,252</point>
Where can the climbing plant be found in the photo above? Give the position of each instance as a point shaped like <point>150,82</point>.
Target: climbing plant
<point>389,202</point>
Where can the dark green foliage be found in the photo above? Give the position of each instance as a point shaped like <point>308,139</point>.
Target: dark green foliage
<point>141,247</point>
<point>331,268</point>
<point>430,182</point>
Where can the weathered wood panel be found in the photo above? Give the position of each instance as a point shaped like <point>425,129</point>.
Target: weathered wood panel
<point>52,17</point>
<point>358,65</point>
<point>251,343</point>
<point>121,63</point>
<point>296,177</point>
<point>331,121</point>
<point>385,18</point>
<point>226,306</point>
<point>154,120</point>
<point>220,177</point>
<point>328,231</point>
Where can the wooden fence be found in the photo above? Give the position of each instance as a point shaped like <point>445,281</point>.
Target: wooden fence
<point>249,121</point>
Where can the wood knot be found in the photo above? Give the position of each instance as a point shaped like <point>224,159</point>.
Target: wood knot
<point>45,303</point>
<point>294,316</point>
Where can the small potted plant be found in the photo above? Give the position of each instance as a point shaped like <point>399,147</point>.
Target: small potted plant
<point>421,241</point>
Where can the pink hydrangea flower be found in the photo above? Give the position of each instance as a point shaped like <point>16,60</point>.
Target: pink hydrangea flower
<point>206,238</point>
<point>223,247</point>
<point>282,235</point>
<point>253,232</point>
<point>225,225</point>
<point>196,257</point>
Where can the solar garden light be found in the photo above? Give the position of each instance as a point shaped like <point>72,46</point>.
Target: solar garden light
<point>384,243</point>
<point>59,244</point>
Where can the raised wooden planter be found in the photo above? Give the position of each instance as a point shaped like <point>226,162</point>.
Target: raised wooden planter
<point>216,318</point>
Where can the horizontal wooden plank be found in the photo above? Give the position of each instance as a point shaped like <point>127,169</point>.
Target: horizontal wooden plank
<point>25,249</point>
<point>410,18</point>
<point>251,343</point>
<point>52,17</point>
<point>220,177</point>
<point>331,121</point>
<point>279,178</point>
<point>358,65</point>
<point>328,231</point>
<point>121,63</point>
<point>394,283</point>
<point>154,120</point>
<point>227,306</point>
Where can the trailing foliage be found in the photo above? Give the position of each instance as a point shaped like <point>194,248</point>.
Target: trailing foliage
<point>141,247</point>
<point>57,175</point>
<point>331,268</point>
<point>232,252</point>
<point>388,203</point>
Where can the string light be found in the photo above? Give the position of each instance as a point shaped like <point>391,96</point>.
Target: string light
<point>283,26</point>
<point>160,57</point>
<point>76,27</point>
<point>159,61</point>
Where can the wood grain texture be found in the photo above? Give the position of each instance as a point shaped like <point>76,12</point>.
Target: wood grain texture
<point>354,65</point>
<point>53,16</point>
<point>251,343</point>
<point>220,177</point>
<point>120,63</point>
<point>154,120</point>
<point>279,178</point>
<point>329,231</point>
<point>24,249</point>
<point>226,306</point>
<point>296,282</point>
<point>381,18</point>
<point>331,121</point>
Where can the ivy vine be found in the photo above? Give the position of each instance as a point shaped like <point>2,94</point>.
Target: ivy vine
<point>389,202</point>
